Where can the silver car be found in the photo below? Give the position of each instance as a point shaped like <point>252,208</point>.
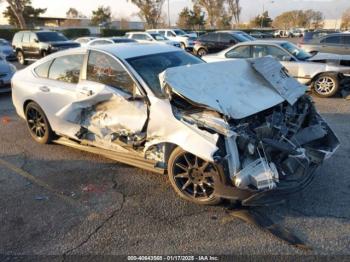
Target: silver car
<point>7,70</point>
<point>322,72</point>
<point>218,130</point>
<point>338,43</point>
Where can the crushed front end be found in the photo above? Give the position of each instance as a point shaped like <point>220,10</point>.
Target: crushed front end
<point>278,152</point>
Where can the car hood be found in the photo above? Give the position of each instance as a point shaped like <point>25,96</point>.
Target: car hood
<point>237,88</point>
<point>4,67</point>
<point>329,57</point>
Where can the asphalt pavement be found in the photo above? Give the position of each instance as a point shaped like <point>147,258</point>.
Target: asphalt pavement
<point>55,200</point>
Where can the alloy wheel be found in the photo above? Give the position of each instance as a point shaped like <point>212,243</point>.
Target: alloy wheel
<point>194,177</point>
<point>325,85</point>
<point>36,123</point>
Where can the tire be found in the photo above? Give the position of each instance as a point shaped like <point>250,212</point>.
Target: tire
<point>43,53</point>
<point>326,85</point>
<point>21,58</point>
<point>191,177</point>
<point>183,46</point>
<point>201,52</point>
<point>38,125</point>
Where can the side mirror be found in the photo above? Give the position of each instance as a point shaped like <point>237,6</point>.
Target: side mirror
<point>36,40</point>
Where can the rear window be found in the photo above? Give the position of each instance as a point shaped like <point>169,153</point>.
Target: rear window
<point>17,38</point>
<point>51,37</point>
<point>43,69</point>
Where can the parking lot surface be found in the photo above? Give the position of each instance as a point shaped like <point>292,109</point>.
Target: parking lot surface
<point>56,200</point>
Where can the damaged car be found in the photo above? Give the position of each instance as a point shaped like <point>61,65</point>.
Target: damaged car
<point>242,130</point>
<point>324,73</point>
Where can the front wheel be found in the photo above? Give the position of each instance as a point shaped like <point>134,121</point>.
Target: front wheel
<point>21,59</point>
<point>201,52</point>
<point>38,125</point>
<point>193,178</point>
<point>326,85</point>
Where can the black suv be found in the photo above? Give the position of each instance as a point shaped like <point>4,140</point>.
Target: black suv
<point>32,45</point>
<point>217,41</point>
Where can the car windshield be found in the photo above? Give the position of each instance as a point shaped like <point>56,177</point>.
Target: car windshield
<point>295,51</point>
<point>50,37</point>
<point>150,66</point>
<point>249,37</point>
<point>179,32</point>
<point>241,37</point>
<point>158,37</point>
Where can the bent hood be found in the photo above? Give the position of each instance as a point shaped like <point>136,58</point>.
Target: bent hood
<point>235,88</point>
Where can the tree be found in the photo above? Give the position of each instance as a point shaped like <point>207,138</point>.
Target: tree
<point>234,10</point>
<point>345,19</point>
<point>101,16</point>
<point>213,8</point>
<point>299,18</point>
<point>29,15</point>
<point>197,17</point>
<point>150,11</point>
<point>72,13</point>
<point>17,9</point>
<point>184,20</point>
<point>261,20</point>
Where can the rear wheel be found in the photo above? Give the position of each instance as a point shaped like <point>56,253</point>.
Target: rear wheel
<point>183,46</point>
<point>193,178</point>
<point>38,125</point>
<point>201,52</point>
<point>326,85</point>
<point>21,59</point>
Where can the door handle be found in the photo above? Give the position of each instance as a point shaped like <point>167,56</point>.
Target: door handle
<point>86,91</point>
<point>44,89</point>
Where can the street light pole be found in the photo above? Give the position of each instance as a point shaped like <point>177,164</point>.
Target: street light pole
<point>169,24</point>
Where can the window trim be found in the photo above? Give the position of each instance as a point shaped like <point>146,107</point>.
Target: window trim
<point>51,62</point>
<point>83,75</point>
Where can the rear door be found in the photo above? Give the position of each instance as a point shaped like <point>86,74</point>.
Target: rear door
<point>332,44</point>
<point>346,42</point>
<point>26,45</point>
<point>112,110</point>
<point>57,89</point>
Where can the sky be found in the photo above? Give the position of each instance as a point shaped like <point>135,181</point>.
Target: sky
<point>332,9</point>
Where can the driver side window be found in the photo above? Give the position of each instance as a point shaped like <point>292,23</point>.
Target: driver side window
<point>239,52</point>
<point>276,52</point>
<point>104,69</point>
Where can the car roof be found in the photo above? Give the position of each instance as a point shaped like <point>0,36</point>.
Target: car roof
<point>264,42</point>
<point>123,50</point>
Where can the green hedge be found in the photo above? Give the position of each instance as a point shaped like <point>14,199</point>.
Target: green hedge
<point>75,32</point>
<point>107,32</point>
<point>8,33</point>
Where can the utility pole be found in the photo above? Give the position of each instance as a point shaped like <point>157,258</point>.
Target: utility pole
<point>169,23</point>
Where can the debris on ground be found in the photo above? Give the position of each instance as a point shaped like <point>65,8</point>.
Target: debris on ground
<point>91,188</point>
<point>41,198</point>
<point>265,223</point>
<point>5,120</point>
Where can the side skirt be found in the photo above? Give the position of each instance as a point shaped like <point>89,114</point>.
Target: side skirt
<point>125,158</point>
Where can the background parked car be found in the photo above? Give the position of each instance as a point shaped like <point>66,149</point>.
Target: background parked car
<point>296,32</point>
<point>7,70</point>
<point>282,34</point>
<point>261,35</point>
<point>337,43</point>
<point>307,69</point>
<point>145,37</point>
<point>83,41</point>
<point>186,40</point>
<point>110,40</point>
<point>6,50</point>
<point>217,41</point>
<point>32,45</point>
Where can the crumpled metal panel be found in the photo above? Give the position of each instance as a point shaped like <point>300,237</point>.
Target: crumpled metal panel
<point>274,73</point>
<point>233,88</point>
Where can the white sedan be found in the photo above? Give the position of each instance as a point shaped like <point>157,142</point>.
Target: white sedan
<point>215,133</point>
<point>145,37</point>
